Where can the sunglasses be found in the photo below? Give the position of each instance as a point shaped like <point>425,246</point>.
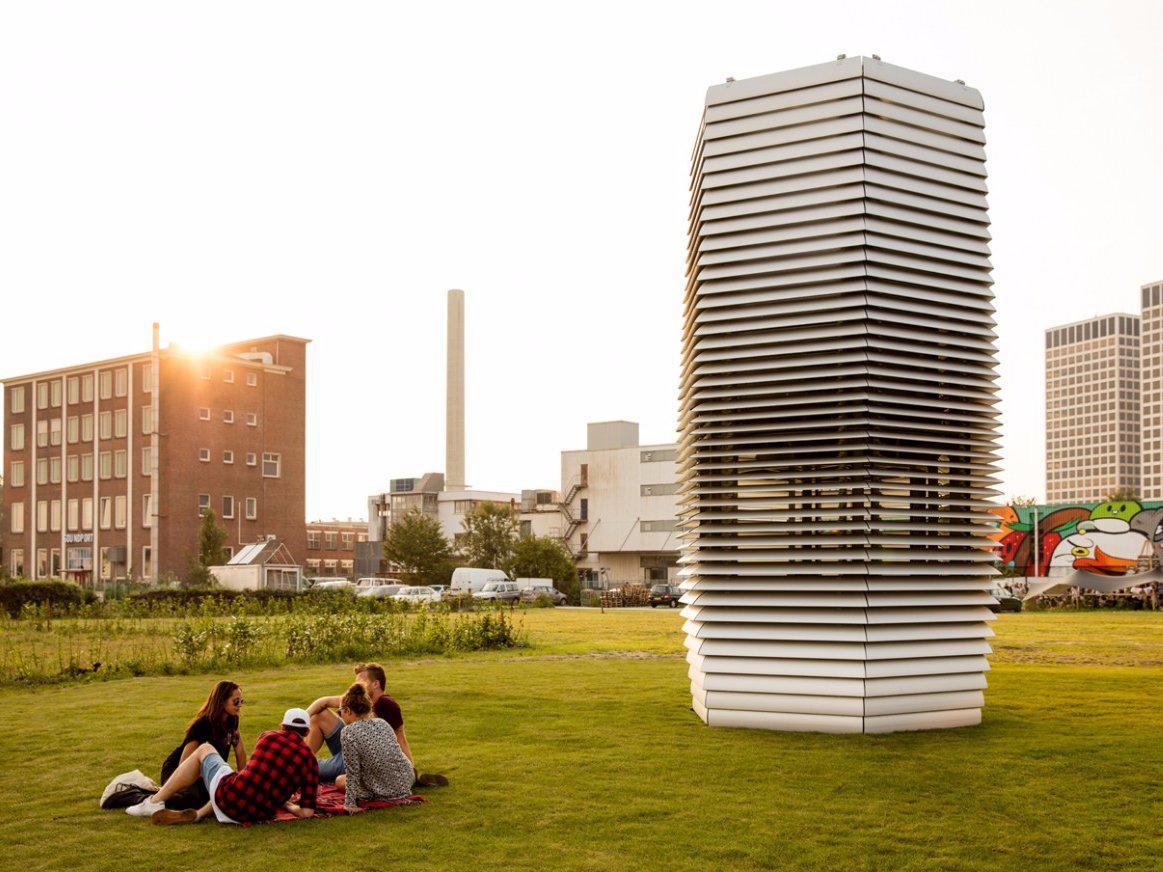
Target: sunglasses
<point>238,701</point>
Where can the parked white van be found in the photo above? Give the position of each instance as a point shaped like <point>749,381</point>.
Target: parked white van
<point>468,579</point>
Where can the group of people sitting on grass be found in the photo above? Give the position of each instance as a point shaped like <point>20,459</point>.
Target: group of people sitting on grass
<point>363,729</point>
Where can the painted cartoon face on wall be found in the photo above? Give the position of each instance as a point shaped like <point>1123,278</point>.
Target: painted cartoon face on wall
<point>1104,544</point>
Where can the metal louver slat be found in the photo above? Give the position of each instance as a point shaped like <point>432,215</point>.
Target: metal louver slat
<point>838,405</point>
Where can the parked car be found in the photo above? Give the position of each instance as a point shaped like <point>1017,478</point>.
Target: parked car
<point>1006,601</point>
<point>334,584</point>
<point>469,579</point>
<point>417,595</point>
<point>499,591</point>
<point>665,595</point>
<point>530,594</point>
<point>364,583</point>
<point>440,589</point>
<point>380,591</point>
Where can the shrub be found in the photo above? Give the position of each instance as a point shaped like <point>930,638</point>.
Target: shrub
<point>52,595</point>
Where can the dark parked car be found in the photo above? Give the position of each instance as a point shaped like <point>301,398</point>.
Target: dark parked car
<point>1006,601</point>
<point>664,595</point>
<point>530,594</point>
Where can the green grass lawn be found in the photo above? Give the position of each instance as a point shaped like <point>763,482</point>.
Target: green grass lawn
<point>568,756</point>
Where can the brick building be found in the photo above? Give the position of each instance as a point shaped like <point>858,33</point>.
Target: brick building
<point>331,548</point>
<point>109,465</point>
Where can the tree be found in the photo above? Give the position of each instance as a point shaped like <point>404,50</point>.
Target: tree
<point>416,545</point>
<point>1123,495</point>
<point>490,532</point>
<point>211,550</point>
<point>1021,501</point>
<point>545,557</point>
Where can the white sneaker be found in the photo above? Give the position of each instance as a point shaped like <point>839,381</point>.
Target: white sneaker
<point>145,808</point>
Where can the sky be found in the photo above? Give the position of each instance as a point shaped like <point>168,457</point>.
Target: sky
<point>329,170</point>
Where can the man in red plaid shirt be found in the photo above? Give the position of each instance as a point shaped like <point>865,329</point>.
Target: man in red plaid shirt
<point>280,766</point>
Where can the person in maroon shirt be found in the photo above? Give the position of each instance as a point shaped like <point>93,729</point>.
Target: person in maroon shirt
<point>280,766</point>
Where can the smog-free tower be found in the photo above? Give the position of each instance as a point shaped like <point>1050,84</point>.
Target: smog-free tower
<point>838,420</point>
<point>454,395</point>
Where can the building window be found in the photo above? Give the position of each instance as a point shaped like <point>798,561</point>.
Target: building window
<point>73,514</point>
<point>86,428</point>
<point>16,517</point>
<point>16,564</point>
<point>54,517</point>
<point>16,473</point>
<point>204,414</point>
<point>87,513</point>
<point>54,470</point>
<point>251,509</point>
<point>251,419</point>
<point>271,464</point>
<point>41,562</point>
<point>203,503</point>
<point>74,430</point>
<point>312,567</point>
<point>228,457</point>
<point>121,377</point>
<point>86,467</point>
<point>105,464</point>
<point>73,467</point>
<point>147,510</point>
<point>54,431</point>
<point>251,458</point>
<point>313,539</point>
<point>146,561</point>
<point>42,395</point>
<point>87,388</point>
<point>147,378</point>
<point>74,389</point>
<point>55,393</point>
<point>252,379</point>
<point>16,399</point>
<point>227,507</point>
<point>147,461</point>
<point>105,384</point>
<point>146,420</point>
<point>105,508</point>
<point>16,437</point>
<point>204,455</point>
<point>667,526</point>
<point>120,423</point>
<point>227,416</point>
<point>119,512</point>
<point>120,464</point>
<point>228,376</point>
<point>42,433</point>
<point>105,425</point>
<point>347,541</point>
<point>42,470</point>
<point>329,540</point>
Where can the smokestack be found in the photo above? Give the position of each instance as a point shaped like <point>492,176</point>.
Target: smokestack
<point>454,395</point>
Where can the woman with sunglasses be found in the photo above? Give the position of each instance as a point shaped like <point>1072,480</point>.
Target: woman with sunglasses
<point>217,723</point>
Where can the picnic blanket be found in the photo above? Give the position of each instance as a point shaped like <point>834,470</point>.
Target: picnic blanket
<point>329,803</point>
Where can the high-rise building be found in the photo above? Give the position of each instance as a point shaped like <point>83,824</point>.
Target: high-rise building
<point>837,403</point>
<point>1151,388</point>
<point>111,464</point>
<point>1092,408</point>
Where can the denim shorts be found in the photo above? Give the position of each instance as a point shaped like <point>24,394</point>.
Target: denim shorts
<point>332,767</point>
<point>214,768</point>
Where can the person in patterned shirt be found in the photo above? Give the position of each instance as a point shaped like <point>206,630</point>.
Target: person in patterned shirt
<point>280,766</point>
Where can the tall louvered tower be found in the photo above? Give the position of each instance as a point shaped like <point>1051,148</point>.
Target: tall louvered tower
<point>837,399</point>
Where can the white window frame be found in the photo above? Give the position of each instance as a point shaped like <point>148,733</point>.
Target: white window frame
<point>42,395</point>
<point>73,388</point>
<point>55,393</point>
<point>16,399</point>
<point>204,413</point>
<point>147,460</point>
<point>120,463</point>
<point>228,376</point>
<point>228,456</point>
<point>251,459</point>
<point>227,507</point>
<point>120,381</point>
<point>54,431</point>
<point>105,465</point>
<point>16,437</point>
<point>251,508</point>
<point>16,474</point>
<point>251,419</point>
<point>87,467</point>
<point>54,469</point>
<point>276,458</point>
<point>146,420</point>
<point>16,518</point>
<point>147,378</point>
<point>73,430</point>
<point>73,514</point>
<point>86,513</point>
<point>104,425</point>
<point>119,512</point>
<point>204,455</point>
<point>86,428</point>
<point>73,467</point>
<point>147,509</point>
<point>54,516</point>
<point>105,384</point>
<point>87,388</point>
<point>120,423</point>
<point>252,379</point>
<point>228,416</point>
<point>203,503</point>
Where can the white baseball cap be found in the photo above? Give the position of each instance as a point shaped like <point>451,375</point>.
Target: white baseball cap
<point>297,717</point>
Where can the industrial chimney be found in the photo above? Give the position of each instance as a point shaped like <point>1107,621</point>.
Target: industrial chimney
<point>454,395</point>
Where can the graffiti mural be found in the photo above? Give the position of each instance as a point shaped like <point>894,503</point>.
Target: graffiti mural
<point>1115,537</point>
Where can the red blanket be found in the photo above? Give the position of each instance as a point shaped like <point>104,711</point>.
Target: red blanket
<point>329,803</point>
